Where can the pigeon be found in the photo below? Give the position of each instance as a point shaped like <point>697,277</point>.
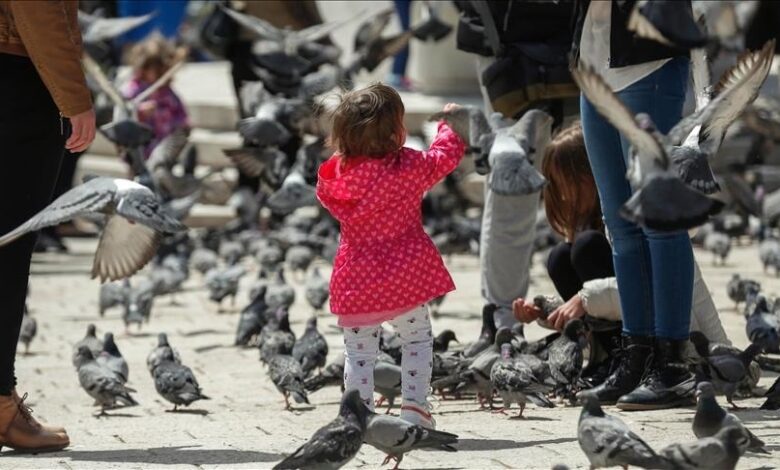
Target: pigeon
<point>738,289</point>
<point>607,441</point>
<point>515,382</point>
<point>662,22</point>
<point>335,444</point>
<point>726,370</point>
<point>387,383</point>
<point>96,29</point>
<point>139,304</point>
<point>719,452</point>
<point>317,290</point>
<point>91,341</point>
<point>442,341</point>
<point>135,223</point>
<point>710,417</point>
<point>769,254</point>
<point>203,260</point>
<point>164,156</point>
<point>231,251</point>
<point>395,437</point>
<point>477,374</point>
<point>276,337</point>
<point>371,29</point>
<point>311,350</point>
<point>113,294</point>
<point>279,293</point>
<point>252,319</point>
<point>112,359</point>
<point>298,258</point>
<point>286,374</point>
<point>294,193</point>
<point>161,353</point>
<point>175,382</point>
<point>650,171</point>
<point>332,374</point>
<point>28,330</point>
<point>488,333</point>
<point>433,28</point>
<point>101,383</point>
<point>762,325</point>
<point>565,357</point>
<point>224,283</point>
<point>719,244</point>
<point>547,304</point>
<point>469,122</point>
<point>772,397</point>
<point>168,279</point>
<point>270,257</point>
<point>254,161</point>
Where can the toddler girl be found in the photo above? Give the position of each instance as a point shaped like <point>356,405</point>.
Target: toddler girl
<point>386,267</point>
<point>163,111</point>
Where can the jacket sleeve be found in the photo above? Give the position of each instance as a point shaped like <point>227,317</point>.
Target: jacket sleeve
<point>442,157</point>
<point>600,299</point>
<point>55,50</point>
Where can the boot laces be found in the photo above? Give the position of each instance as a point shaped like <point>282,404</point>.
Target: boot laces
<point>26,411</point>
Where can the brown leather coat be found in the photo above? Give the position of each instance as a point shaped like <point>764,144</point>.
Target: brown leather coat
<point>48,32</point>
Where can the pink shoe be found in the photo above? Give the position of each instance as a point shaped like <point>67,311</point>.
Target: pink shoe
<point>418,415</point>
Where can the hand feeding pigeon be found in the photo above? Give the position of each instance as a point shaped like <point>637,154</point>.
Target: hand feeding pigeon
<point>738,289</point>
<point>650,173</point>
<point>161,353</point>
<point>317,290</point>
<point>133,230</point>
<point>28,330</point>
<point>710,417</point>
<point>286,374</point>
<point>113,294</point>
<point>396,437</point>
<point>174,381</point>
<point>607,441</point>
<point>91,341</point>
<point>311,350</point>
<point>335,444</point>
<point>112,359</point>
<point>101,383</point>
<point>719,452</point>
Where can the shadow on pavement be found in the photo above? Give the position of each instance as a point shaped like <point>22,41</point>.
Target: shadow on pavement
<point>172,455</point>
<point>501,444</point>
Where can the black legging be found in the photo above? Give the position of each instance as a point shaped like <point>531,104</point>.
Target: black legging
<point>32,148</point>
<point>570,265</point>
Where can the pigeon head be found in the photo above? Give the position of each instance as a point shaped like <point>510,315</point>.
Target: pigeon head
<point>503,336</point>
<point>352,406</point>
<point>109,345</point>
<point>91,330</point>
<point>645,122</point>
<point>259,293</point>
<point>705,390</point>
<point>162,340</point>
<point>591,405</point>
<point>284,319</point>
<point>83,355</point>
<point>311,323</point>
<point>575,330</point>
<point>446,336</point>
<point>167,354</point>
<point>701,343</point>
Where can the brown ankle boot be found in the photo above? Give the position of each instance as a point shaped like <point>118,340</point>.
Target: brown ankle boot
<point>19,432</point>
<point>26,409</point>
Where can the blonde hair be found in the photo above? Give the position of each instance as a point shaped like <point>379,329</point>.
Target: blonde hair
<point>153,52</point>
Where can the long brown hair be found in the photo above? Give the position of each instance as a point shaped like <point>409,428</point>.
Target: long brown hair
<point>570,196</point>
<point>368,122</point>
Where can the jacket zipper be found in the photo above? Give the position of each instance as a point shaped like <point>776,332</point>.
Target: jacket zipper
<point>62,125</point>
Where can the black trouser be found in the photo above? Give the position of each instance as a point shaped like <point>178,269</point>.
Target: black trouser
<point>570,265</point>
<point>30,155</point>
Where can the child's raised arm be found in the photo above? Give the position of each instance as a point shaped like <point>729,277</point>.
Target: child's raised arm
<point>444,154</point>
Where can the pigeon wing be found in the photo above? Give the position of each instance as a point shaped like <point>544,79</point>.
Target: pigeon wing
<point>704,453</point>
<point>92,196</point>
<point>166,153</point>
<point>124,248</point>
<point>261,28</point>
<point>103,29</point>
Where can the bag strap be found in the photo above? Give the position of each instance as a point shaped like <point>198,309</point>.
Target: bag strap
<point>491,32</point>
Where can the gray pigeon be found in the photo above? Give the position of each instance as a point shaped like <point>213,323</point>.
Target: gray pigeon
<point>670,26</point>
<point>168,277</point>
<point>113,294</point>
<point>160,166</point>
<point>112,359</point>
<point>332,374</point>
<point>286,374</point>
<point>565,357</point>
<point>335,444</point>
<point>91,341</point>
<point>719,244</point>
<point>469,122</point>
<point>738,288</point>
<point>607,441</point>
<point>224,283</point>
<point>95,29</point>
<point>231,251</point>
<point>203,260</point>
<point>317,290</point>
<point>772,397</point>
<point>294,193</point>
<point>298,258</point>
<point>477,374</point>
<point>547,304</point>
<point>515,382</point>
<point>254,161</point>
<point>395,437</point>
<point>276,337</point>
<point>311,350</point>
<point>769,254</point>
<point>139,304</point>
<point>163,351</point>
<point>101,383</point>
<point>710,417</point>
<point>28,330</point>
<point>175,382</point>
<point>662,200</point>
<point>134,227</point>
<point>719,452</point>
<point>387,382</point>
<point>762,325</point>
<point>269,256</point>
<point>252,319</point>
<point>279,293</point>
<point>487,333</point>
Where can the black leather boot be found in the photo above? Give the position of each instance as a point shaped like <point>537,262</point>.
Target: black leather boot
<point>629,364</point>
<point>603,345</point>
<point>669,384</point>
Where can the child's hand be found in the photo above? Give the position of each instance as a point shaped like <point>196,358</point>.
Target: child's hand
<point>449,107</point>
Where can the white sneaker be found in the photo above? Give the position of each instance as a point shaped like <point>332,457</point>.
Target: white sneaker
<point>417,414</point>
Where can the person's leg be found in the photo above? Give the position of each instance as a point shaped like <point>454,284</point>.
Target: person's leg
<point>403,9</point>
<point>33,145</point>
<point>414,328</point>
<point>591,256</point>
<point>361,346</point>
<point>562,274</point>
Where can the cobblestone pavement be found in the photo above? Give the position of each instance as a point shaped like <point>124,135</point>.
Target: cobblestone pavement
<point>244,424</point>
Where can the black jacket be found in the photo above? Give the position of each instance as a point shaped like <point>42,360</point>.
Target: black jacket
<point>625,47</point>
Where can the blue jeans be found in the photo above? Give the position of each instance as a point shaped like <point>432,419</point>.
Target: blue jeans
<point>403,9</point>
<point>654,269</point>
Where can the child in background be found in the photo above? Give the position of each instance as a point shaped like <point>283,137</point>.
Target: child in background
<point>163,111</point>
<point>386,267</point>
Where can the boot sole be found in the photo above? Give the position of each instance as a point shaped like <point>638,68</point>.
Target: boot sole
<point>35,450</point>
<point>650,407</point>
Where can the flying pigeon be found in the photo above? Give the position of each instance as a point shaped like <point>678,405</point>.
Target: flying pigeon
<point>710,417</point>
<point>311,350</point>
<point>294,193</point>
<point>112,359</point>
<point>396,437</point>
<point>335,444</point>
<point>660,21</point>
<point>607,441</point>
<point>91,341</point>
<point>96,29</point>
<point>135,224</point>
<point>719,452</point>
<point>175,382</point>
<point>253,161</point>
<point>101,383</point>
<point>286,374</point>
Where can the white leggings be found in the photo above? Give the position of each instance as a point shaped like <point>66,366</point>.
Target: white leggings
<point>362,346</point>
